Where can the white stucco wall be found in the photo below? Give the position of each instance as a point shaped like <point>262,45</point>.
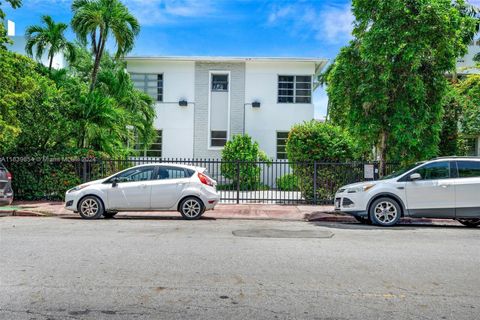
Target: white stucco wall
<point>261,84</point>
<point>18,46</point>
<point>175,121</point>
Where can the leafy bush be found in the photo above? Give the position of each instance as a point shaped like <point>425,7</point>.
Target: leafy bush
<point>240,155</point>
<point>288,182</point>
<point>329,146</point>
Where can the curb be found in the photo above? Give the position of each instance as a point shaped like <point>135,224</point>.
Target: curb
<point>21,213</point>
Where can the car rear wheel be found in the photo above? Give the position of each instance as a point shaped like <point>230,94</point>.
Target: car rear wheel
<point>90,208</point>
<point>472,223</point>
<point>191,208</point>
<point>385,212</point>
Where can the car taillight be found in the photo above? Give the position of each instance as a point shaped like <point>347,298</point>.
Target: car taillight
<point>9,176</point>
<point>205,179</point>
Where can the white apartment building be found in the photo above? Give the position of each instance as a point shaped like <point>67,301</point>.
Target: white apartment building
<point>466,65</point>
<point>201,102</point>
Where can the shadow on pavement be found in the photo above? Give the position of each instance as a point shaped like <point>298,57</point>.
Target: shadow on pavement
<point>138,217</point>
<point>398,227</point>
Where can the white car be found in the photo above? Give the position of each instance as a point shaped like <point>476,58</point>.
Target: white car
<point>445,188</point>
<point>182,188</point>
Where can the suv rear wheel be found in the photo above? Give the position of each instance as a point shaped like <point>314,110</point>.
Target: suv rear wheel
<point>385,212</point>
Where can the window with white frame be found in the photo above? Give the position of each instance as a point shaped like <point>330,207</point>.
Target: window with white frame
<point>294,89</point>
<point>154,150</point>
<point>218,138</point>
<point>282,137</point>
<point>151,84</point>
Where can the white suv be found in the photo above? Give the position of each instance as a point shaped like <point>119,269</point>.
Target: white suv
<point>186,189</point>
<point>445,188</point>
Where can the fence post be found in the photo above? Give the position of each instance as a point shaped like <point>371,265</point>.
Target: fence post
<point>238,182</point>
<point>84,171</point>
<point>315,182</point>
<point>375,170</point>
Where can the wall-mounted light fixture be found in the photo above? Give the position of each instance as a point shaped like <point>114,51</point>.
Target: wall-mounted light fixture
<point>183,103</point>
<point>256,104</point>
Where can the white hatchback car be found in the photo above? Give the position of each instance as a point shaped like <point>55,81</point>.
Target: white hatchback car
<point>445,188</point>
<point>182,188</point>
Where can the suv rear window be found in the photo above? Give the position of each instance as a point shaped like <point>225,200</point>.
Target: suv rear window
<point>468,169</point>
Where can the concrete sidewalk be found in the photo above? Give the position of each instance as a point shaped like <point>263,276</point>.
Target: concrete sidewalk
<point>222,211</point>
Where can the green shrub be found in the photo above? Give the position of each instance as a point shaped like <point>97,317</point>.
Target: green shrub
<point>240,155</point>
<point>329,146</point>
<point>288,182</point>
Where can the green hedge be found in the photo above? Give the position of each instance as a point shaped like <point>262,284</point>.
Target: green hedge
<point>288,182</point>
<point>329,146</point>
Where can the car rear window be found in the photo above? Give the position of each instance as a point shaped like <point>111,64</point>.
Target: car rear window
<point>468,169</point>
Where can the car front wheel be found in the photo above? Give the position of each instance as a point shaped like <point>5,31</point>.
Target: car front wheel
<point>472,223</point>
<point>90,208</point>
<point>385,212</point>
<point>191,208</point>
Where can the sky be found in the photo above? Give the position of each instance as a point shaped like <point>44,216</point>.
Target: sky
<point>302,28</point>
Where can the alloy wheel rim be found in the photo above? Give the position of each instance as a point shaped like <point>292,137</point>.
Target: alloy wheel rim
<point>385,212</point>
<point>89,207</point>
<point>191,208</point>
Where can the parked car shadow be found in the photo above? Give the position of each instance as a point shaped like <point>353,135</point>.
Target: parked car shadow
<point>398,227</point>
<point>137,217</point>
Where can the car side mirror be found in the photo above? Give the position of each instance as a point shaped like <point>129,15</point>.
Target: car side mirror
<point>415,176</point>
<point>115,182</point>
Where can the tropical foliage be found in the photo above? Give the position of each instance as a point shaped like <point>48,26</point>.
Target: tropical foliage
<point>94,21</point>
<point>386,87</point>
<point>50,37</point>
<point>324,143</point>
<point>240,156</point>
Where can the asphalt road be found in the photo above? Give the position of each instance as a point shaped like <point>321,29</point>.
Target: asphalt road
<point>64,268</point>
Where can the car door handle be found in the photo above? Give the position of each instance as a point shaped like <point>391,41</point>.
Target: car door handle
<point>444,185</point>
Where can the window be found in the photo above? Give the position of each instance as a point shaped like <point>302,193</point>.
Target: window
<point>154,150</point>
<point>468,169</point>
<point>171,173</point>
<point>294,89</point>
<point>218,138</point>
<point>471,146</point>
<point>151,84</point>
<point>219,82</point>
<point>435,170</point>
<point>281,145</point>
<point>136,174</point>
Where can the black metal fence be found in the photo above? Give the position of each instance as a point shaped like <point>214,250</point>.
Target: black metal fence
<point>275,182</point>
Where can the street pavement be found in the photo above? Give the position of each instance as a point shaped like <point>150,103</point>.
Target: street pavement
<point>167,268</point>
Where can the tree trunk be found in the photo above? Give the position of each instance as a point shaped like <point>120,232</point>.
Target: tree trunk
<point>383,154</point>
<point>50,64</point>
<point>98,56</point>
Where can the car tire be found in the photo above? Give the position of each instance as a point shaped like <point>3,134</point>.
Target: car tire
<point>363,220</point>
<point>191,208</point>
<point>109,214</point>
<point>471,223</point>
<point>91,208</point>
<point>385,212</point>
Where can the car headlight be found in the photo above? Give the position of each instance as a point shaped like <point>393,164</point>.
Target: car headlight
<point>77,188</point>
<point>361,188</point>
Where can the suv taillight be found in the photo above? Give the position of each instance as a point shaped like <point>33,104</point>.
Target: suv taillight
<point>205,179</point>
<point>9,176</point>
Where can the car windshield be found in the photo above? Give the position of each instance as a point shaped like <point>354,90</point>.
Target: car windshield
<point>401,171</point>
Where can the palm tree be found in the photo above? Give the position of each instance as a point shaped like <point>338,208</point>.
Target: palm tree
<point>49,37</point>
<point>96,20</point>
